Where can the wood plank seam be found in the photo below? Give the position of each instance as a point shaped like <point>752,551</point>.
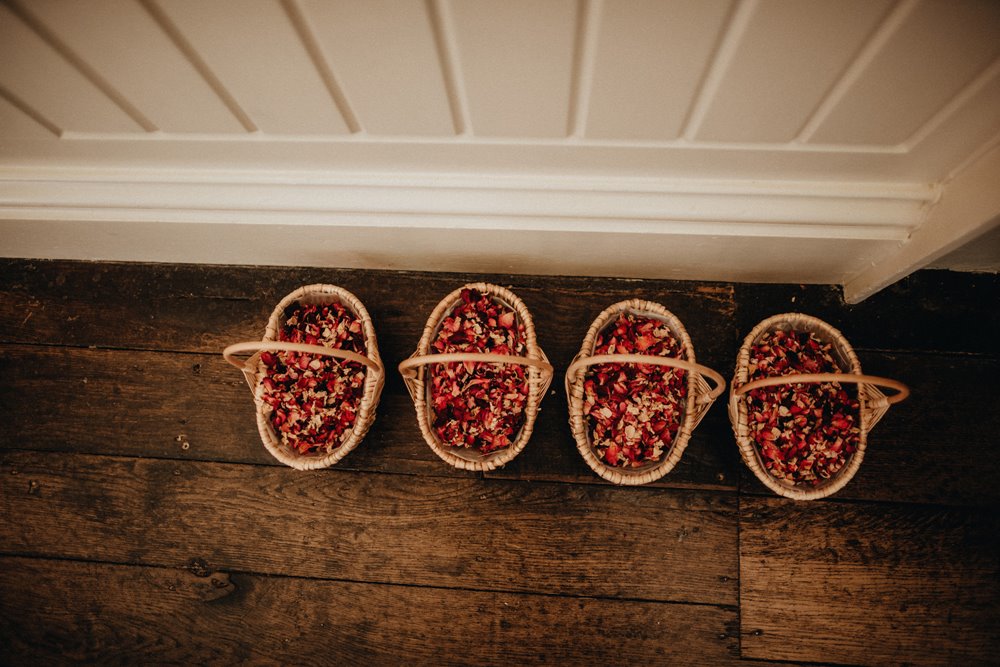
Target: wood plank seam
<point>201,569</point>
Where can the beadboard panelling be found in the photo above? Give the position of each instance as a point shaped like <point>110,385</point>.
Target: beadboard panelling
<point>14,123</point>
<point>973,114</point>
<point>37,74</point>
<point>255,50</point>
<point>838,125</point>
<point>649,59</point>
<point>766,96</point>
<point>387,59</point>
<point>156,77</point>
<point>516,63</point>
<point>939,48</point>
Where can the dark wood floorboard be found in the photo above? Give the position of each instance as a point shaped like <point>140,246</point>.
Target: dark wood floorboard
<point>118,543</point>
<point>126,614</point>
<point>458,533</point>
<point>930,311</point>
<point>141,403</point>
<point>878,584</point>
<point>933,447</point>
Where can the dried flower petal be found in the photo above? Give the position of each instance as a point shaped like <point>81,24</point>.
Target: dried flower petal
<point>479,405</point>
<point>312,401</point>
<point>634,410</point>
<point>805,433</point>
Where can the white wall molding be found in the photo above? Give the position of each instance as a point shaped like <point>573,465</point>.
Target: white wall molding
<point>969,206</point>
<point>857,210</point>
<point>641,227</point>
<point>634,139</point>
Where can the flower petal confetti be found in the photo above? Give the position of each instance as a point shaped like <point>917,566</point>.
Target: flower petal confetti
<point>634,410</point>
<point>312,400</point>
<point>479,405</point>
<point>804,432</point>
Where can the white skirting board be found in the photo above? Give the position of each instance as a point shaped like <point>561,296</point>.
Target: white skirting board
<point>804,232</point>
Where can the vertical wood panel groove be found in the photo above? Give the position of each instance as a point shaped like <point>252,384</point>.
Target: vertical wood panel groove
<point>865,55</point>
<point>992,143</point>
<point>451,69</point>
<point>175,35</point>
<point>323,68</point>
<point>588,18</point>
<point>970,90</point>
<point>30,112</point>
<point>88,72</point>
<point>729,39</point>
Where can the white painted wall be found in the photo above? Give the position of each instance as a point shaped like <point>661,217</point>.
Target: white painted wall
<point>981,255</point>
<point>772,140</point>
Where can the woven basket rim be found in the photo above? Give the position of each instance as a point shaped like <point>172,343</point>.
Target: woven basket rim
<point>321,293</point>
<point>738,406</point>
<point>469,459</point>
<point>581,433</point>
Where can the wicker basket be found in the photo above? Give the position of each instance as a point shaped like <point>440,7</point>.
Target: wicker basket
<point>254,372</point>
<point>872,402</point>
<point>700,395</point>
<point>539,376</point>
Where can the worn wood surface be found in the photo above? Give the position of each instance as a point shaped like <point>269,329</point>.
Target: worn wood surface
<point>92,612</point>
<point>197,308</point>
<point>930,311</point>
<point>466,533</point>
<point>141,403</point>
<point>871,584</point>
<point>936,446</point>
<point>109,369</point>
<point>710,461</point>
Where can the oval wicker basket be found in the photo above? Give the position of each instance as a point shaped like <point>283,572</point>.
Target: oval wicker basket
<point>872,402</point>
<point>539,376</point>
<point>700,395</point>
<point>254,372</point>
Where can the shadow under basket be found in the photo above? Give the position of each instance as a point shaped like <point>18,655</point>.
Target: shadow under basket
<point>700,395</point>
<point>255,371</point>
<point>538,377</point>
<point>872,403</point>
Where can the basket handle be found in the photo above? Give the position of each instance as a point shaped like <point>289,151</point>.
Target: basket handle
<point>278,346</point>
<point>408,368</point>
<point>902,391</point>
<point>707,397</point>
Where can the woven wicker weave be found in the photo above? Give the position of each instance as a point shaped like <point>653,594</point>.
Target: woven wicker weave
<point>699,396</point>
<point>254,371</point>
<point>873,403</point>
<point>539,376</point>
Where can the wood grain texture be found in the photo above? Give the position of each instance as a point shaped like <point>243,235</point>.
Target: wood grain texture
<point>117,544</point>
<point>929,311</point>
<point>203,308</point>
<point>57,612</point>
<point>935,447</point>
<point>872,584</point>
<point>470,533</point>
<point>128,403</point>
<point>152,404</point>
<point>711,460</point>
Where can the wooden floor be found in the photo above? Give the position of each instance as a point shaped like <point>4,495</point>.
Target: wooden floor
<point>141,519</point>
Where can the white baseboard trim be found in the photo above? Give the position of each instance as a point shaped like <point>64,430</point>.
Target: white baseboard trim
<point>637,227</point>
